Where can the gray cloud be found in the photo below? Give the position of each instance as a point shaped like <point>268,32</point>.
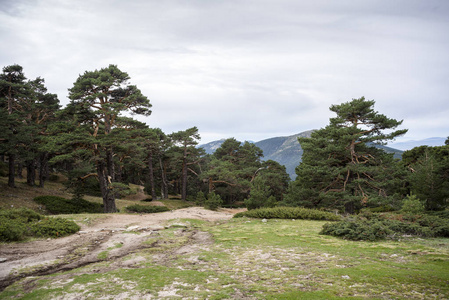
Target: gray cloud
<point>248,69</point>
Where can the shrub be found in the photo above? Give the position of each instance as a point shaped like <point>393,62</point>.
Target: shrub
<point>380,226</point>
<point>289,213</point>
<point>11,230</point>
<point>200,199</point>
<point>58,205</point>
<point>54,227</point>
<point>412,205</point>
<point>18,224</point>
<point>368,230</point>
<point>383,208</point>
<point>443,214</point>
<point>213,201</point>
<point>23,214</point>
<point>146,209</point>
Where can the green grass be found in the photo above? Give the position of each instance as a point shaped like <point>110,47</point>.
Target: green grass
<point>279,259</point>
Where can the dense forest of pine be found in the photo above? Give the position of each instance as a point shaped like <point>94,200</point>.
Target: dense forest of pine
<point>101,148</point>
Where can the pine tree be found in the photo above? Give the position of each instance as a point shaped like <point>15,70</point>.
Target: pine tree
<point>95,126</point>
<point>186,140</point>
<point>12,87</point>
<point>340,166</point>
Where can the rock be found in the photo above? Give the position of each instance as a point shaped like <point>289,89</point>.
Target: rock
<point>3,259</point>
<point>131,228</point>
<point>264,220</point>
<point>345,277</point>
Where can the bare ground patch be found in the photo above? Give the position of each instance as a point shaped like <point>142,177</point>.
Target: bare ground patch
<point>108,239</point>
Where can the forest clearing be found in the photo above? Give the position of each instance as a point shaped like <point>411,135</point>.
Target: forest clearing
<point>194,253</point>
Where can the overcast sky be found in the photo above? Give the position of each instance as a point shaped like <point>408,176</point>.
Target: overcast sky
<point>244,68</point>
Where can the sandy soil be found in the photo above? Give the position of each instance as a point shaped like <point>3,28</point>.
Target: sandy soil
<point>43,257</point>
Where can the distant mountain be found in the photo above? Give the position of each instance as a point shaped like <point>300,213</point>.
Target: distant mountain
<point>286,150</point>
<point>433,141</point>
<point>212,146</point>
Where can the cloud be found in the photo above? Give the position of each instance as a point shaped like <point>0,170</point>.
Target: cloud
<point>248,69</point>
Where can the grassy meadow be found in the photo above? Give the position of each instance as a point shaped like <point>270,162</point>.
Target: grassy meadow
<point>240,259</point>
<point>250,259</point>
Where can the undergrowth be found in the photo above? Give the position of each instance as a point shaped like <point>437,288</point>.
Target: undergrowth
<point>289,213</point>
<point>146,209</point>
<point>59,205</point>
<point>22,223</point>
<point>371,227</point>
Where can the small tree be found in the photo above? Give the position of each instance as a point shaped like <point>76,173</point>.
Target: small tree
<point>412,205</point>
<point>260,195</point>
<point>200,198</point>
<point>213,201</point>
<point>429,175</point>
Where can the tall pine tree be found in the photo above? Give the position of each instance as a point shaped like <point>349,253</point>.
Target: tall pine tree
<point>99,100</point>
<point>340,166</point>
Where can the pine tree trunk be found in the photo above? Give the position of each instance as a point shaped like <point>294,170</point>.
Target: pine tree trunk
<point>164,189</point>
<point>11,182</point>
<point>151,175</point>
<point>110,164</point>
<point>107,194</point>
<point>43,169</point>
<point>184,180</point>
<point>31,172</point>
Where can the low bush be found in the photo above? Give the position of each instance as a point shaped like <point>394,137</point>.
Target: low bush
<point>368,230</point>
<point>19,224</point>
<point>23,214</point>
<point>58,205</point>
<point>289,213</point>
<point>383,208</point>
<point>380,226</point>
<point>443,214</point>
<point>146,209</point>
<point>11,230</point>
<point>54,227</point>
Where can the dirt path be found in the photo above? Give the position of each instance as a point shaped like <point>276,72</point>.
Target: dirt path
<point>43,257</point>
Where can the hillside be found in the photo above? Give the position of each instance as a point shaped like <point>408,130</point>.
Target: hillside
<point>286,150</point>
<point>407,145</point>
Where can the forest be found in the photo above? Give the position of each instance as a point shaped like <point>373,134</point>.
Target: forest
<point>99,145</point>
